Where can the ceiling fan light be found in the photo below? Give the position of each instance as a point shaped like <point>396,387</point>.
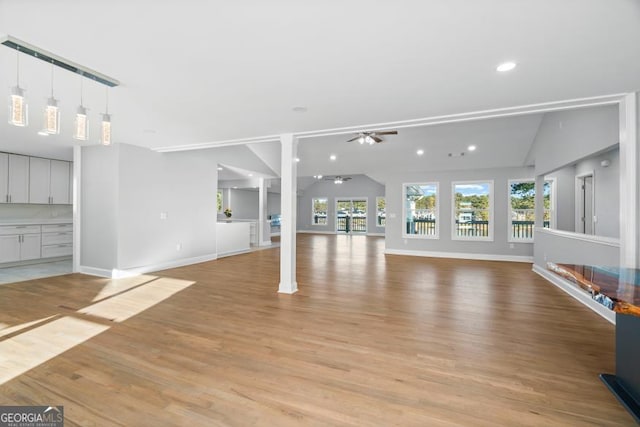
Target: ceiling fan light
<point>369,140</point>
<point>51,117</point>
<point>361,139</point>
<point>18,108</point>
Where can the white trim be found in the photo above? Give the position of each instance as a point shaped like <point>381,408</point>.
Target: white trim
<point>316,232</point>
<point>609,241</point>
<point>376,234</point>
<point>76,200</point>
<point>118,274</point>
<point>569,104</point>
<point>628,124</point>
<point>578,294</point>
<point>435,236</point>
<point>492,196</point>
<point>461,255</point>
<point>553,220</point>
<point>93,271</point>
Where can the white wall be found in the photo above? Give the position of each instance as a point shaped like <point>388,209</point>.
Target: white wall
<point>273,203</point>
<point>99,209</point>
<point>565,137</point>
<point>565,197</point>
<point>358,186</point>
<point>244,203</point>
<point>499,247</point>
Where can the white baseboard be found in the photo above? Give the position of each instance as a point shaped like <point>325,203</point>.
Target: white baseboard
<point>573,290</point>
<point>315,232</point>
<point>461,255</point>
<point>376,234</point>
<point>226,254</point>
<point>129,272</point>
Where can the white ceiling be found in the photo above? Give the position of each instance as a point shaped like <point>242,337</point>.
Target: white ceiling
<point>195,71</point>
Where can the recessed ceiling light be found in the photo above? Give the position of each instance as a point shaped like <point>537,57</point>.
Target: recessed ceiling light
<point>220,168</point>
<point>250,174</point>
<point>317,176</point>
<point>471,148</point>
<point>297,159</point>
<point>506,66</point>
<point>235,186</point>
<point>332,157</point>
<point>420,152</point>
<point>300,109</point>
<point>43,133</point>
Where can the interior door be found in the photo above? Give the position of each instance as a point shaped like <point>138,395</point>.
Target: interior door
<point>585,211</point>
<point>351,215</point>
<point>343,215</point>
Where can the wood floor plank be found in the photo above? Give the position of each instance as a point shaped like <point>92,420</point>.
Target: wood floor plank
<point>369,340</point>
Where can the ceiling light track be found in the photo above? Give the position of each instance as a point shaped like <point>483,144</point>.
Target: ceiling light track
<point>58,61</point>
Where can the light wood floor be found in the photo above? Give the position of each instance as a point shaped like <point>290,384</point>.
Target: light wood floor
<point>369,340</point>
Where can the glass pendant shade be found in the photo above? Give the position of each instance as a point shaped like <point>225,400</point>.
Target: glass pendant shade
<point>81,125</point>
<point>105,136</point>
<point>18,108</point>
<point>52,117</point>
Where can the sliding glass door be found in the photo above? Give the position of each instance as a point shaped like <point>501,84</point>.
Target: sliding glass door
<point>351,215</point>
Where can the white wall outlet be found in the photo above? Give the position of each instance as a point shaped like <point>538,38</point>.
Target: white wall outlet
<point>163,215</point>
<point>179,247</point>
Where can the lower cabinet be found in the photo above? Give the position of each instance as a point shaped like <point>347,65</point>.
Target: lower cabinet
<point>20,243</point>
<point>32,242</point>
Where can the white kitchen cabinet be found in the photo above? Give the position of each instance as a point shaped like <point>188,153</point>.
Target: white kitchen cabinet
<point>49,181</point>
<point>14,184</point>
<point>20,243</point>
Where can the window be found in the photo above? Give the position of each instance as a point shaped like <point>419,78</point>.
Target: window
<point>381,215</point>
<point>421,210</point>
<point>219,198</point>
<point>522,195</point>
<point>550,203</point>
<point>472,210</point>
<point>319,211</point>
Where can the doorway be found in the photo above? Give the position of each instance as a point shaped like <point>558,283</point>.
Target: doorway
<point>585,204</point>
<point>351,215</point>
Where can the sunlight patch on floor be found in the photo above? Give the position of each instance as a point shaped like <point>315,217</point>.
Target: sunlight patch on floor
<point>23,352</point>
<point>8,330</point>
<point>116,286</point>
<point>121,307</point>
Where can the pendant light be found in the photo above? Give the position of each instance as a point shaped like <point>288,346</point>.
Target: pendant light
<point>51,113</point>
<point>105,131</point>
<point>18,108</point>
<point>81,124</point>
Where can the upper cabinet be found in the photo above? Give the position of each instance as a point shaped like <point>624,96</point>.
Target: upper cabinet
<point>49,181</point>
<point>14,178</point>
<point>25,179</point>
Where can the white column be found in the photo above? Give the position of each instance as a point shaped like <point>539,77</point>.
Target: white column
<point>264,226</point>
<point>629,141</point>
<point>288,284</point>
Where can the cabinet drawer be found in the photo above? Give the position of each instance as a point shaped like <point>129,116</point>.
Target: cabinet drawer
<point>56,228</point>
<point>57,250</point>
<point>6,230</point>
<point>57,238</point>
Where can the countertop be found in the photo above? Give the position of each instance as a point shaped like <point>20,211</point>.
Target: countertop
<point>18,221</point>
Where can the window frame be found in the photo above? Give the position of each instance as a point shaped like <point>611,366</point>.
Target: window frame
<point>221,193</point>
<point>436,235</point>
<point>490,237</point>
<point>313,199</point>
<point>385,212</point>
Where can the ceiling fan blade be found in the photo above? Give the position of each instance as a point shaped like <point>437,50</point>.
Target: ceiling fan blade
<point>346,179</point>
<point>376,139</point>
<point>353,139</point>
<point>386,132</point>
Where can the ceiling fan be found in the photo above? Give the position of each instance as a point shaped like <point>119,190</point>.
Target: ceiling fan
<point>338,179</point>
<point>372,137</point>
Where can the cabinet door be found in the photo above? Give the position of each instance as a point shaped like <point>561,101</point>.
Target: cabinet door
<point>30,248</point>
<point>39,172</point>
<point>4,177</point>
<point>60,182</point>
<point>9,248</point>
<point>18,179</point>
